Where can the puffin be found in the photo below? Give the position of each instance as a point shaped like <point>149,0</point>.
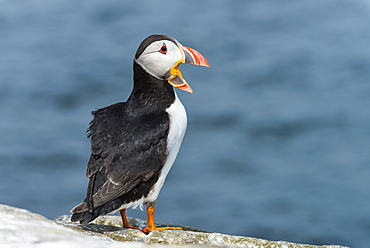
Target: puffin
<point>135,143</point>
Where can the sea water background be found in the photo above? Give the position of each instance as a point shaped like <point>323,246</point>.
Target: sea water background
<point>278,142</point>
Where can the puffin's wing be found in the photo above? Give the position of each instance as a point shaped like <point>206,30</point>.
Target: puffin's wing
<point>125,152</point>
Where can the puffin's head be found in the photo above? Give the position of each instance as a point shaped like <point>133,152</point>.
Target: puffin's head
<point>161,55</point>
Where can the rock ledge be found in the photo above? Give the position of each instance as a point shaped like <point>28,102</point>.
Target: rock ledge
<point>21,228</point>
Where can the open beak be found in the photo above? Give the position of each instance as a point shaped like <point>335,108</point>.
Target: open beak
<point>190,56</point>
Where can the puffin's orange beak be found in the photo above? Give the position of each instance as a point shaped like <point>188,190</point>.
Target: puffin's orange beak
<point>191,56</point>
<point>194,57</point>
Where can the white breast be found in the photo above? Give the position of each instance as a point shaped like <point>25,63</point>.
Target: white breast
<point>178,123</point>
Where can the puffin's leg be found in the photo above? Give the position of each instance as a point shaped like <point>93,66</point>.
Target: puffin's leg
<point>125,221</point>
<point>151,225</point>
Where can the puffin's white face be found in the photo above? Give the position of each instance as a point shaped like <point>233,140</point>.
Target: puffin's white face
<point>162,57</point>
<point>159,57</point>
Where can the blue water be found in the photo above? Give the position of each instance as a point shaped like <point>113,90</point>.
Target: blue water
<point>278,141</point>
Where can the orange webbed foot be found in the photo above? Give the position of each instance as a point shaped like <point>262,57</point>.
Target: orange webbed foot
<point>148,229</point>
<point>151,224</point>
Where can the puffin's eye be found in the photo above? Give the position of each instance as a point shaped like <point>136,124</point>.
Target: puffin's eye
<point>163,49</point>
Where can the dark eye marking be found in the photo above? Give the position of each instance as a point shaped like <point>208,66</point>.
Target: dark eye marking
<point>163,49</point>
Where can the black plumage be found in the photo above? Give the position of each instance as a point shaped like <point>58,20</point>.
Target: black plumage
<point>122,135</point>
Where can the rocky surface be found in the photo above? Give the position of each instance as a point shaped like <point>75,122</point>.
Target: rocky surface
<point>21,228</point>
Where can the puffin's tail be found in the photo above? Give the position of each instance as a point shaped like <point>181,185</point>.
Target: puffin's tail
<point>82,214</point>
<point>84,217</point>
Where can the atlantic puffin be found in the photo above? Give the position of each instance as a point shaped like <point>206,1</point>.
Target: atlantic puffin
<point>135,143</point>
